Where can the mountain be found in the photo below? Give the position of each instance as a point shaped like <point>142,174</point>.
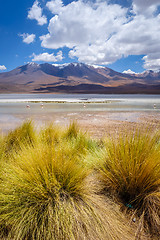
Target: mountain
<point>76,78</point>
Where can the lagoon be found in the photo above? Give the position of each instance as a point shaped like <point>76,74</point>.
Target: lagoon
<point>62,108</point>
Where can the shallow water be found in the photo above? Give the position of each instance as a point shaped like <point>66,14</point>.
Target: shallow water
<point>123,98</point>
<point>14,108</point>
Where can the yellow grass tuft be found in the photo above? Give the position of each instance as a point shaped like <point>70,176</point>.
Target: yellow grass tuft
<point>45,194</point>
<point>24,134</point>
<point>131,173</point>
<point>49,188</point>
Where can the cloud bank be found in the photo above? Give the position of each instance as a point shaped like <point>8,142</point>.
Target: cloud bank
<point>101,33</point>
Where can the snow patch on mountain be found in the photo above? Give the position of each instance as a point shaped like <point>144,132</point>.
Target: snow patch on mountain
<point>95,66</point>
<point>33,64</point>
<point>129,71</point>
<point>75,64</point>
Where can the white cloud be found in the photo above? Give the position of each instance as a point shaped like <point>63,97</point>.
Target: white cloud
<point>55,6</point>
<point>35,12</point>
<point>28,38</point>
<point>81,23</point>
<point>146,7</point>
<point>101,33</point>
<point>46,57</point>
<point>129,71</point>
<point>2,67</point>
<point>137,37</point>
<point>152,62</point>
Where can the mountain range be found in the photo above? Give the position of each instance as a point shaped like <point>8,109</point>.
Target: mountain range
<point>76,78</point>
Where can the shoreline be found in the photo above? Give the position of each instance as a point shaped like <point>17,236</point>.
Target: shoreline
<point>96,124</point>
<point>97,114</point>
<point>57,101</point>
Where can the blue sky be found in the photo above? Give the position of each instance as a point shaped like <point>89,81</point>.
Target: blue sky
<point>122,35</point>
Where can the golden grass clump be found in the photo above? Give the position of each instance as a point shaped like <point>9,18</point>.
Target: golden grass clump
<point>48,192</point>
<point>50,188</point>
<point>51,134</point>
<point>72,130</point>
<point>40,189</point>
<point>44,195</point>
<point>130,171</point>
<point>24,134</point>
<point>80,141</point>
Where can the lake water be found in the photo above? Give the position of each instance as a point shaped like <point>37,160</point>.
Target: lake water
<point>14,103</point>
<point>14,108</point>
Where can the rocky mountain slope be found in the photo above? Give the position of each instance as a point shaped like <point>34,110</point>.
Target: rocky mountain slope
<point>76,78</point>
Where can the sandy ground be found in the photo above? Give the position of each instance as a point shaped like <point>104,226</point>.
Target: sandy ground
<point>104,125</point>
<point>97,124</point>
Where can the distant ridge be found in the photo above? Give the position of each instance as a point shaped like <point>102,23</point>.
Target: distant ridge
<point>76,78</point>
